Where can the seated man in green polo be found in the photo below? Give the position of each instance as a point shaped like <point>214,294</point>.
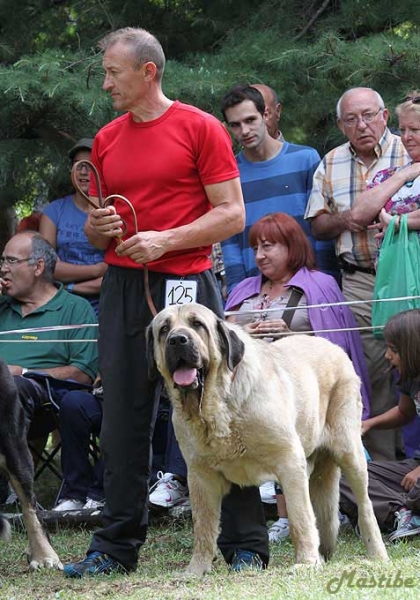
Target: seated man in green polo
<point>31,299</point>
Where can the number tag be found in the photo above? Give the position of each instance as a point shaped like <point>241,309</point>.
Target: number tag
<point>180,291</point>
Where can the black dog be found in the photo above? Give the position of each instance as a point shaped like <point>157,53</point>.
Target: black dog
<point>16,461</point>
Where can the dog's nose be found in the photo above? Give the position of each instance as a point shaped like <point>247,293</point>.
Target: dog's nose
<point>179,339</point>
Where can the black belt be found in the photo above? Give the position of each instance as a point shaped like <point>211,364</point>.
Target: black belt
<point>351,268</point>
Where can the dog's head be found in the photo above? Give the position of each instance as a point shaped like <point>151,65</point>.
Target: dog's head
<point>186,342</point>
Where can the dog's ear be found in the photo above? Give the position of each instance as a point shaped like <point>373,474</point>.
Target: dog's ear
<point>231,345</point>
<point>150,348</point>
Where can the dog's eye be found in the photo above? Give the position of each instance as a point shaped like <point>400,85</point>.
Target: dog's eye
<point>164,329</point>
<point>197,324</point>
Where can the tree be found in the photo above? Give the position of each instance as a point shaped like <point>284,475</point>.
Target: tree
<point>310,52</point>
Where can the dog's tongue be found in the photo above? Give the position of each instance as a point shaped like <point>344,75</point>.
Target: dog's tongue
<point>184,376</point>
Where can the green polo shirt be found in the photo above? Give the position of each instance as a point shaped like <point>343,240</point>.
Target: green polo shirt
<point>69,347</point>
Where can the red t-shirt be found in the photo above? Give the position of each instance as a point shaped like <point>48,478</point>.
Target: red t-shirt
<point>162,166</point>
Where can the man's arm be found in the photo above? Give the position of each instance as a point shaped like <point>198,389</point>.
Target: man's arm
<point>327,223</point>
<point>225,219</point>
<point>66,372</point>
<point>327,226</point>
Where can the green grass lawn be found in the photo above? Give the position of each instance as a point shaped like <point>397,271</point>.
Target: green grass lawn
<point>166,554</point>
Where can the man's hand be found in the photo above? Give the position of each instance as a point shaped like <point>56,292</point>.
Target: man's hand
<point>327,226</point>
<point>410,479</point>
<point>349,223</point>
<point>106,222</point>
<point>144,247</point>
<point>15,369</point>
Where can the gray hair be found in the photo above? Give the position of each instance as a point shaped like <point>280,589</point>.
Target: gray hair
<point>145,46</point>
<point>351,90</point>
<point>41,249</point>
<point>408,105</point>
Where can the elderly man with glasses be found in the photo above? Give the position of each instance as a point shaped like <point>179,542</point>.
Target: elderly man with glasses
<point>31,300</point>
<point>341,176</point>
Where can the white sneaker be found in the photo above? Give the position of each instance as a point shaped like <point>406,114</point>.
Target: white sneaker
<point>92,504</point>
<point>168,491</point>
<point>268,493</point>
<point>279,530</point>
<point>68,504</point>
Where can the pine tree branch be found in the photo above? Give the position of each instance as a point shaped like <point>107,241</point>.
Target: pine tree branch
<point>318,13</point>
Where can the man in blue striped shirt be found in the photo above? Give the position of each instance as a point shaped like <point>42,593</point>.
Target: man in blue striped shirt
<point>276,176</point>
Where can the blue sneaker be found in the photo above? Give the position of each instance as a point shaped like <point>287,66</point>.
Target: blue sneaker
<point>244,560</point>
<point>407,525</point>
<point>95,563</point>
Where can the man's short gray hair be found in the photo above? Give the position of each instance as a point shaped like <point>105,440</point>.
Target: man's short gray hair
<point>146,47</point>
<point>351,91</point>
<point>41,249</point>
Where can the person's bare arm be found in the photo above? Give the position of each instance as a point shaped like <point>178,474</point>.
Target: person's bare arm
<point>226,218</point>
<point>394,417</point>
<point>65,372</point>
<point>48,230</point>
<point>369,203</point>
<point>89,287</point>
<point>327,226</point>
<point>65,271</point>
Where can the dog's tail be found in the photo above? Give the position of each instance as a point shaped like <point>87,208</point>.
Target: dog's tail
<point>5,529</point>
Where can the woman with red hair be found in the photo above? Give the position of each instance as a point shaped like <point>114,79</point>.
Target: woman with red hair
<point>285,297</point>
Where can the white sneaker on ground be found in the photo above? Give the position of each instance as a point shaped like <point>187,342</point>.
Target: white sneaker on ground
<point>279,530</point>
<point>268,493</point>
<point>168,491</point>
<point>68,504</point>
<point>92,504</point>
<point>182,510</point>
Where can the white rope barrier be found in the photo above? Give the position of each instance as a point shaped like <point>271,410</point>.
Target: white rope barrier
<point>30,330</point>
<point>325,305</point>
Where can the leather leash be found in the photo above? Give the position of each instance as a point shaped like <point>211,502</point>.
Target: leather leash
<point>103,203</point>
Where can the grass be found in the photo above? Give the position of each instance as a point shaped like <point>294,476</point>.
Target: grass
<point>166,554</point>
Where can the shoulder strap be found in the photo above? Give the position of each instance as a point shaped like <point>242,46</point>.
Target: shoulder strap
<point>294,299</point>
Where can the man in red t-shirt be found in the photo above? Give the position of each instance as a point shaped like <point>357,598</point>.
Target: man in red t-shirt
<point>175,165</point>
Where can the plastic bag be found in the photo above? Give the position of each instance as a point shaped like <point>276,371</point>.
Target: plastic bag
<point>397,274</point>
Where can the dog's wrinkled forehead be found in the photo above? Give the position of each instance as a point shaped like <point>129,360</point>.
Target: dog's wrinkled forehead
<point>190,316</point>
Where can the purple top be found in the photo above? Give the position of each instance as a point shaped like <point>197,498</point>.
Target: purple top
<point>319,288</point>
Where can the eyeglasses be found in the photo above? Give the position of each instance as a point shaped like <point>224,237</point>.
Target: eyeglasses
<point>11,261</point>
<point>367,117</point>
<point>413,99</point>
<point>81,166</point>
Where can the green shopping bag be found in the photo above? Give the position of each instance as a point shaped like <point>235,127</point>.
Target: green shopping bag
<point>397,274</point>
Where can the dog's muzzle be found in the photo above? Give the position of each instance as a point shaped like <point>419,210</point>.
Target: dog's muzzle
<point>183,360</point>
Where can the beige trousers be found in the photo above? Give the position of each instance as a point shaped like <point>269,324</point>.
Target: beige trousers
<point>381,444</point>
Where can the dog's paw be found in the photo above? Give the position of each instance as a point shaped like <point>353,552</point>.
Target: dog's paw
<point>315,564</point>
<point>197,569</point>
<point>48,561</point>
